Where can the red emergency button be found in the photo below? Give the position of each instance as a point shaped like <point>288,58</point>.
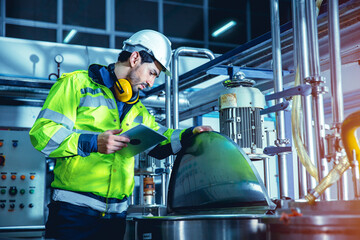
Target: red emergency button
<point>22,177</point>
<point>13,177</point>
<point>32,177</point>
<point>3,177</point>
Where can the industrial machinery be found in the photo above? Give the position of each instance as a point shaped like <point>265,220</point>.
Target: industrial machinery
<point>227,202</point>
<point>214,191</point>
<point>240,119</point>
<point>22,186</point>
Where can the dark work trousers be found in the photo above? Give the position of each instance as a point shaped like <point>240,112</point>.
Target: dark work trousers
<point>68,221</point>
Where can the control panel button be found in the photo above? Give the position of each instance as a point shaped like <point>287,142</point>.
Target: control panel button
<point>2,205</point>
<point>32,177</point>
<point>12,205</point>
<point>31,191</point>
<point>22,191</point>
<point>3,191</point>
<point>3,177</point>
<point>13,191</point>
<point>22,177</point>
<point>13,177</point>
<point>21,205</point>
<point>15,143</point>
<point>31,205</point>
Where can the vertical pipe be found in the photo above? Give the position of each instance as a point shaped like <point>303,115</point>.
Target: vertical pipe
<point>168,101</point>
<point>141,189</point>
<point>182,51</point>
<point>336,83</point>
<point>355,174</point>
<point>312,37</point>
<point>248,20</point>
<point>163,188</point>
<point>175,87</point>
<point>280,118</point>
<point>168,160</point>
<point>2,17</point>
<point>206,23</point>
<point>161,16</point>
<point>59,21</point>
<point>303,63</point>
<point>110,21</point>
<point>335,63</point>
<point>316,82</point>
<point>267,174</point>
<point>301,169</point>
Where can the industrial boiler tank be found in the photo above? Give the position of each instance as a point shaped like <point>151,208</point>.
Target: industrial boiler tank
<point>214,192</point>
<point>239,106</point>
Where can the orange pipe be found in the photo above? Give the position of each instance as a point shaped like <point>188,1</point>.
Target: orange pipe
<point>348,135</point>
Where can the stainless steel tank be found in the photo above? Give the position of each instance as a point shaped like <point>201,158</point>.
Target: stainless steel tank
<point>196,227</point>
<point>326,220</point>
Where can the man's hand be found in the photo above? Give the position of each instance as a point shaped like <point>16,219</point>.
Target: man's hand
<point>200,129</point>
<point>109,142</point>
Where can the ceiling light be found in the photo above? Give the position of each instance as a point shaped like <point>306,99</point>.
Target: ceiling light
<point>223,28</point>
<point>70,36</point>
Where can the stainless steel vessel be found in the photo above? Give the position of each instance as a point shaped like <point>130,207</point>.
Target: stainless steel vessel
<point>326,220</point>
<point>195,227</point>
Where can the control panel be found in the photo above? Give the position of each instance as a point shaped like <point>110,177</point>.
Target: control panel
<point>22,182</point>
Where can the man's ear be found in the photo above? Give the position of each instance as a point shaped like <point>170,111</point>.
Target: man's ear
<point>134,59</point>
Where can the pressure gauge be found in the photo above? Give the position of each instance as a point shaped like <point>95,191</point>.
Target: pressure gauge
<point>59,58</point>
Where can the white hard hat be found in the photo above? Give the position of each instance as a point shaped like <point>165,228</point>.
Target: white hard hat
<point>154,43</point>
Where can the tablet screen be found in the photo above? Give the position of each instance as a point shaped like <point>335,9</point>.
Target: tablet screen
<point>141,138</point>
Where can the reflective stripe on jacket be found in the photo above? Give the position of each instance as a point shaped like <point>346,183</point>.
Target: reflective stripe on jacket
<point>78,104</point>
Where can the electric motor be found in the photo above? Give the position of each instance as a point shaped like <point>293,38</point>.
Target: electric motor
<point>240,119</point>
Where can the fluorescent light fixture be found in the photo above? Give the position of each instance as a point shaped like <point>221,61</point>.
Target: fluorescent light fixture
<point>224,28</point>
<point>70,36</point>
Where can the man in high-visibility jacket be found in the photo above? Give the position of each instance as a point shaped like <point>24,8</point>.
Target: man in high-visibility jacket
<point>79,125</point>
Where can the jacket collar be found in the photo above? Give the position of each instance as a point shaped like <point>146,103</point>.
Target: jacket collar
<point>94,73</point>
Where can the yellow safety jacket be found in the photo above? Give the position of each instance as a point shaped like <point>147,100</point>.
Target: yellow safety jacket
<point>78,104</point>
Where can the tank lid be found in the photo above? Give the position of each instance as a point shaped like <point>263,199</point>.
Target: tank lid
<point>213,174</point>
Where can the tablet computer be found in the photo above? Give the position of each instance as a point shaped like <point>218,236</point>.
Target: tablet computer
<point>141,138</point>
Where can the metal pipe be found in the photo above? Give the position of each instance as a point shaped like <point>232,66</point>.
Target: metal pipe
<point>168,160</point>
<point>301,169</point>
<point>248,20</point>
<point>316,82</point>
<point>355,174</point>
<point>336,82</point>
<point>175,88</point>
<point>163,188</point>
<point>168,101</point>
<point>267,174</point>
<point>141,189</point>
<point>163,102</point>
<point>278,86</point>
<point>59,20</point>
<point>306,101</point>
<point>182,51</point>
<point>174,100</point>
<point>312,33</point>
